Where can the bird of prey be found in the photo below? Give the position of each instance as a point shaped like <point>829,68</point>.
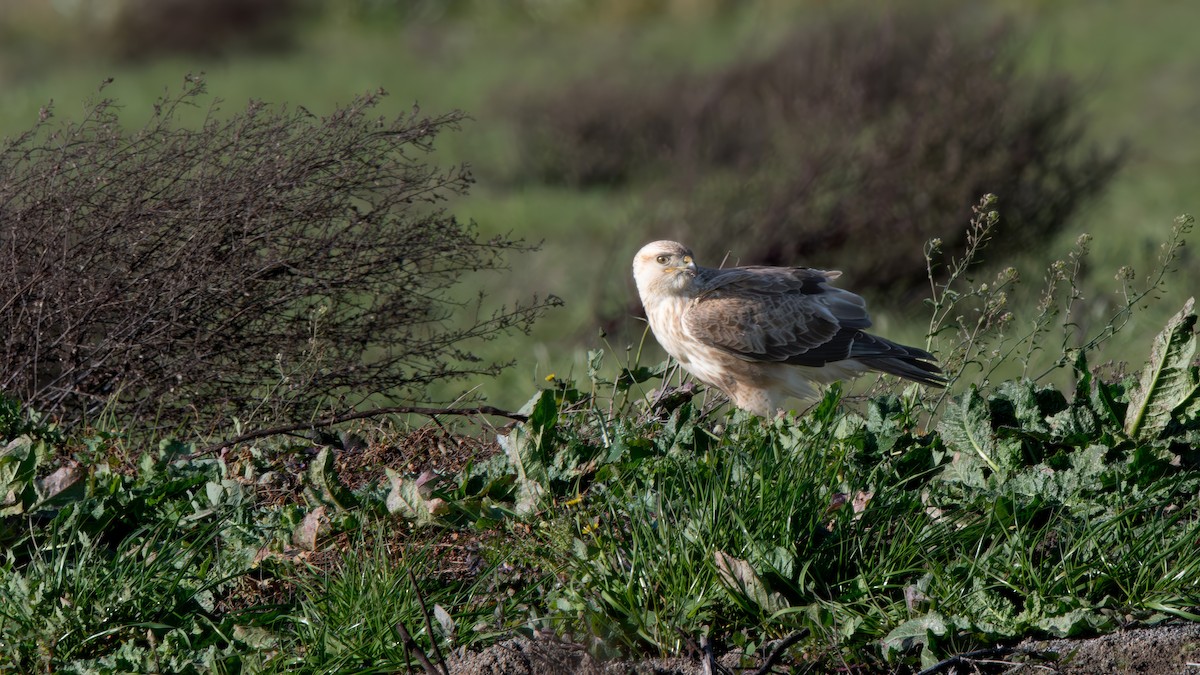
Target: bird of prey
<point>762,334</point>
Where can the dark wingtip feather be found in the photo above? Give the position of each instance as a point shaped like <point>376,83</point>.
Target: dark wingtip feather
<point>911,363</point>
<point>910,367</point>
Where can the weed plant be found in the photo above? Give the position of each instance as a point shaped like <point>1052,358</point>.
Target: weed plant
<point>973,327</point>
<point>1028,511</point>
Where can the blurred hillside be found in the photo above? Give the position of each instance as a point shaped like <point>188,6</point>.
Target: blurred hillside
<point>1134,63</point>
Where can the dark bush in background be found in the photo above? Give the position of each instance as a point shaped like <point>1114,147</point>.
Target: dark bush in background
<point>266,263</point>
<point>850,146</point>
<point>145,28</point>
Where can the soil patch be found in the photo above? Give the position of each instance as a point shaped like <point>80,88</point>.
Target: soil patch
<point>1163,650</point>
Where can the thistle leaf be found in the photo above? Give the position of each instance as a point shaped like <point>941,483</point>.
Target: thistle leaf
<point>405,499</point>
<point>741,580</point>
<point>1168,381</point>
<point>967,428</point>
<point>322,485</point>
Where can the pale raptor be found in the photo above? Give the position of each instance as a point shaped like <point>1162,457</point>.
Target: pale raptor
<point>763,334</point>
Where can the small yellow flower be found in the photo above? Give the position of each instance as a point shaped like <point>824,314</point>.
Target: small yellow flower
<point>550,377</point>
<point>575,501</point>
<point>592,527</point>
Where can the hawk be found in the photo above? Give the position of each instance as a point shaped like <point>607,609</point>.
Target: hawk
<point>762,334</point>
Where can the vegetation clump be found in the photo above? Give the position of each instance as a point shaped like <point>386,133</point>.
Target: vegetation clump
<point>627,523</point>
<point>142,29</point>
<point>261,264</point>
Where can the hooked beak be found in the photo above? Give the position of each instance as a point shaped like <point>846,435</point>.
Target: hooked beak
<point>690,267</point>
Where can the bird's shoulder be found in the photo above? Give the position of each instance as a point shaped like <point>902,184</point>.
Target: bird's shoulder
<point>761,281</point>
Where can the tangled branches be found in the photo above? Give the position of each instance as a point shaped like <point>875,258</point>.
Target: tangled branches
<point>268,261</point>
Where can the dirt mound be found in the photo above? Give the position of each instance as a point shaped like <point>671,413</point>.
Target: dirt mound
<point>551,657</point>
<point>1165,650</point>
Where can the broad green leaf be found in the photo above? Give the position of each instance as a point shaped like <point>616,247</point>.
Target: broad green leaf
<point>528,406</point>
<point>405,499</point>
<point>215,492</point>
<point>988,610</point>
<point>542,411</point>
<point>741,580</point>
<point>826,411</point>
<point>533,476</point>
<point>445,622</point>
<point>1189,413</point>
<point>18,468</point>
<point>595,359</point>
<point>149,467</point>
<point>883,424</point>
<point>529,446</point>
<point>967,428</point>
<point>1087,473</point>
<point>779,559</point>
<point>1075,623</point>
<point>497,488</point>
<point>1168,380</point>
<point>205,599</point>
<point>1019,404</point>
<point>323,486</point>
<point>923,631</point>
<point>629,377</point>
<point>530,496</point>
<point>63,486</point>
<point>255,636</point>
<point>1075,426</point>
<point>1106,405</point>
<point>679,423</point>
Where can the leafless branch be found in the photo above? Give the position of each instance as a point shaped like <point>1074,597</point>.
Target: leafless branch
<point>779,650</point>
<point>357,415</point>
<point>264,264</point>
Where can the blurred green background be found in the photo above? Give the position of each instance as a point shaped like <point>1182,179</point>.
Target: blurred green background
<point>1137,66</point>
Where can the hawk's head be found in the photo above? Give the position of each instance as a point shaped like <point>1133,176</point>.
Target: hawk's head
<point>663,268</point>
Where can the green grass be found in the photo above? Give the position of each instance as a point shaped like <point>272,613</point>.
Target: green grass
<point>125,574</point>
<point>345,618</point>
<point>632,528</point>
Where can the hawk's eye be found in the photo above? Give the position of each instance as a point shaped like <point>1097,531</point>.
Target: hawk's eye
<point>662,259</point>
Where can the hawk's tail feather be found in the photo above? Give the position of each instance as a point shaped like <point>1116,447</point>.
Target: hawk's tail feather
<point>911,366</point>
<point>911,363</point>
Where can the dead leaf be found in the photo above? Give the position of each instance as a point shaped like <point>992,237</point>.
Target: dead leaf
<point>315,524</point>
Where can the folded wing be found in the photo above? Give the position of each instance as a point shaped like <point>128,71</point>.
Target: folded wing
<point>794,316</point>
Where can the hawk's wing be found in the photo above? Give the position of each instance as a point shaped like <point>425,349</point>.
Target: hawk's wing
<point>782,314</point>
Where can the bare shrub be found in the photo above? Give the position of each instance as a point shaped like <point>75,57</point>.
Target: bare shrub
<point>851,145</point>
<point>265,262</point>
